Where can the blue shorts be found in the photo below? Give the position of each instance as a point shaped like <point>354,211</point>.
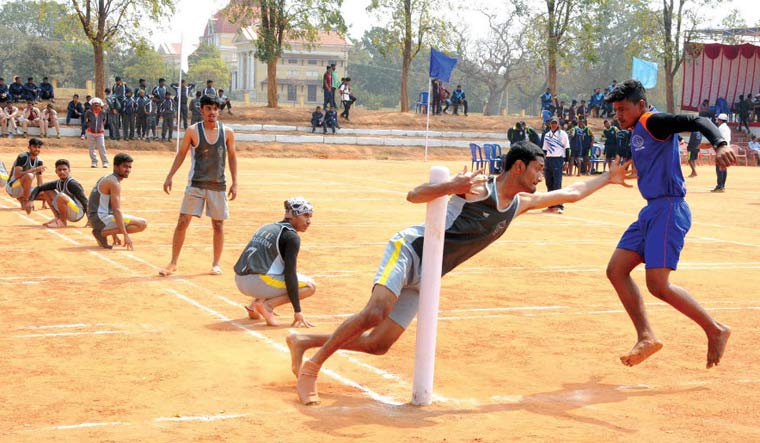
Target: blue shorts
<point>658,235</point>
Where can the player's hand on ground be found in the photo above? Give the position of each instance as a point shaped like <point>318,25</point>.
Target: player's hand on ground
<point>465,182</point>
<point>620,173</point>
<point>232,192</point>
<point>168,185</point>
<point>128,243</point>
<point>725,157</point>
<point>299,321</point>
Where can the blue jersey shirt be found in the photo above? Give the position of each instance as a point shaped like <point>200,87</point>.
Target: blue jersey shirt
<point>658,163</point>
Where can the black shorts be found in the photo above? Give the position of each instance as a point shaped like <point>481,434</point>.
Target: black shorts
<point>610,152</point>
<point>693,154</point>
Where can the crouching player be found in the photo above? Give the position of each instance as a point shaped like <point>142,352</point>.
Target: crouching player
<point>64,196</point>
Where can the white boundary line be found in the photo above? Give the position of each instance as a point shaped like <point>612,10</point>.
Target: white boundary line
<point>71,334</point>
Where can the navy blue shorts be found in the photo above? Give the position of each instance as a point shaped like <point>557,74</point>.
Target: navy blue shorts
<point>658,234</point>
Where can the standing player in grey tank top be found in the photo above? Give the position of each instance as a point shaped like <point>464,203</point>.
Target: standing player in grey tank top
<point>478,213</point>
<point>210,144</point>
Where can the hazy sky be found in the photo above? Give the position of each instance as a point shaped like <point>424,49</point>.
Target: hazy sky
<point>193,14</point>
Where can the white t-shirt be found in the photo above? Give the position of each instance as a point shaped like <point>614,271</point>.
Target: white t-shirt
<point>555,143</point>
<point>345,92</point>
<point>725,132</point>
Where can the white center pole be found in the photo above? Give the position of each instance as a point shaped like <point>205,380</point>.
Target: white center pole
<point>427,107</point>
<point>181,89</point>
<point>430,288</point>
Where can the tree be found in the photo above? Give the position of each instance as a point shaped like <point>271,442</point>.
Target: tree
<point>280,21</point>
<point>103,21</point>
<point>37,57</point>
<point>206,63</point>
<point>557,23</point>
<point>414,24</point>
<point>496,60</point>
<point>144,62</point>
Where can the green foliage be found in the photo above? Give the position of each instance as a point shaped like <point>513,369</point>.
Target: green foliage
<point>144,62</point>
<point>209,68</point>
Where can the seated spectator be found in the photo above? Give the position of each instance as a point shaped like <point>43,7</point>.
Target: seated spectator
<point>30,117</point>
<point>754,148</point>
<point>445,97</point>
<point>74,109</point>
<point>458,98</point>
<point>4,94</point>
<point>46,90</point>
<point>8,119</point>
<point>49,119</point>
<point>317,120</point>
<point>225,101</point>
<point>331,119</point>
<point>31,91</point>
<point>16,89</point>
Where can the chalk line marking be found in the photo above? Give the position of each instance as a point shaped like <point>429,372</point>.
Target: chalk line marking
<point>66,326</point>
<point>88,425</point>
<point>71,334</point>
<point>205,418</point>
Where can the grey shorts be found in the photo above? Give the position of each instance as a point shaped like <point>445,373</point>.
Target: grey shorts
<point>399,271</point>
<point>14,189</point>
<point>215,202</point>
<point>266,286</point>
<point>74,212</point>
<point>109,221</point>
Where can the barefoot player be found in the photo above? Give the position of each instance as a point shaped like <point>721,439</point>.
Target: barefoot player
<point>266,270</point>
<point>210,145</point>
<point>657,237</point>
<point>104,207</point>
<point>65,197</point>
<point>479,211</point>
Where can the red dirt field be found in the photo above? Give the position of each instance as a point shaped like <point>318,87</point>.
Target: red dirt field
<point>97,347</point>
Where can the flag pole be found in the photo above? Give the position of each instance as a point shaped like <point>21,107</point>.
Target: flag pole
<point>427,125</point>
<point>179,93</point>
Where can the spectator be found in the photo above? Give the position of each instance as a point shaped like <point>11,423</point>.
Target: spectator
<point>576,148</point>
<point>554,145</point>
<point>225,102</point>
<point>119,89</point>
<point>151,110</point>
<point>445,95</point>
<point>195,108</point>
<point>30,116</point>
<point>436,89</point>
<point>612,86</point>
<point>8,119</point>
<point>532,134</point>
<point>756,105</point>
<point>95,120</point>
<point>586,142</point>
<point>160,90</point>
<point>318,120</point>
<point>74,110</point>
<point>4,94</point>
<point>609,133</point>
<point>597,102</point>
<point>49,119</point>
<point>582,111</point>
<point>516,133</point>
<point>704,109</point>
<point>30,91</point>
<point>183,91</point>
<point>166,110</point>
<point>546,116</point>
<point>458,98</point>
<point>331,119</point>
<point>209,90</point>
<point>128,111</point>
<point>560,112</point>
<point>546,99</point>
<point>141,115</point>
<point>16,89</point>
<point>113,109</point>
<point>87,107</point>
<point>346,97</point>
<point>327,90</point>
<point>744,108</point>
<point>624,143</point>
<point>337,80</point>
<point>572,112</point>
<point>695,139</point>
<point>142,86</point>
<point>754,148</point>
<point>46,90</point>
<point>725,132</point>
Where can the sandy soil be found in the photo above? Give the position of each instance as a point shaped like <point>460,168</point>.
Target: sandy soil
<point>96,347</point>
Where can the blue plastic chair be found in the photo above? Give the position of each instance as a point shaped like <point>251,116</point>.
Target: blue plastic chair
<point>596,159</point>
<point>422,102</point>
<point>477,157</point>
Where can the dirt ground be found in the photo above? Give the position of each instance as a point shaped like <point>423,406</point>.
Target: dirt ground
<point>96,347</point>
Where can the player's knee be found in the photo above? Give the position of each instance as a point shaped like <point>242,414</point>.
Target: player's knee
<point>614,271</point>
<point>309,289</point>
<point>218,225</point>
<point>658,287</point>
<point>373,316</point>
<point>378,347</point>
<point>139,225</point>
<point>183,223</point>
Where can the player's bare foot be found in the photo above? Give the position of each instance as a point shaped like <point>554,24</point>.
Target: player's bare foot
<point>170,269</point>
<point>716,345</point>
<point>641,351</point>
<point>693,174</point>
<point>252,314</point>
<point>55,224</point>
<point>266,312</point>
<point>215,270</point>
<point>296,352</point>
<point>307,383</point>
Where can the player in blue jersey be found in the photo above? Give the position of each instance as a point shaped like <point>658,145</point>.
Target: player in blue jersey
<point>657,237</point>
<point>479,211</point>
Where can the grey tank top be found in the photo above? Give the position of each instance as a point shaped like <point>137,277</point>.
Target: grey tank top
<point>99,204</point>
<point>208,160</point>
<point>262,253</point>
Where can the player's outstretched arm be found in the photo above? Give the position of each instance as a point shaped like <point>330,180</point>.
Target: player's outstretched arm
<point>462,183</point>
<point>617,174</point>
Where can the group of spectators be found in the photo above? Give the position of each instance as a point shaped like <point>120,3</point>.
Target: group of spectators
<point>332,83</point>
<point>25,92</point>
<point>552,106</point>
<point>743,111</point>
<point>443,99</point>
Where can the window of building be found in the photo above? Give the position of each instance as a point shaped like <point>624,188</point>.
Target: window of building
<point>291,93</point>
<point>312,93</point>
<point>312,62</point>
<point>293,61</point>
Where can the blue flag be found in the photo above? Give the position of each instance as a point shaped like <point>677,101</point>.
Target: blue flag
<point>441,65</point>
<point>645,72</point>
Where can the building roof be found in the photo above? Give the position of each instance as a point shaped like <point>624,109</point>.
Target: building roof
<point>323,37</point>
<point>221,25</point>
